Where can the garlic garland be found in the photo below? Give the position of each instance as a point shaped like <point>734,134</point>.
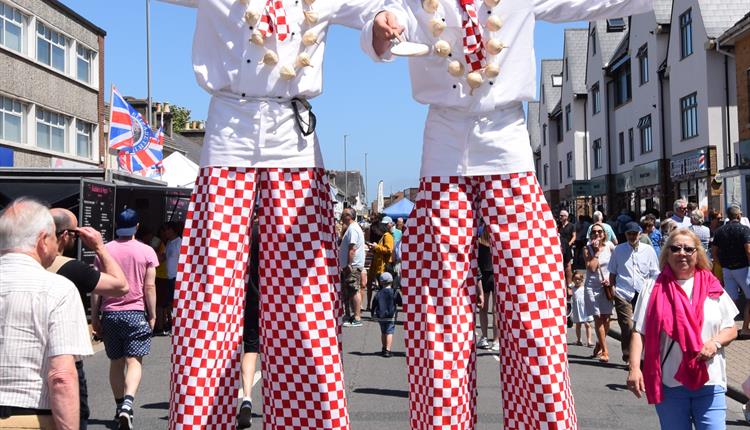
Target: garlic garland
<point>442,48</point>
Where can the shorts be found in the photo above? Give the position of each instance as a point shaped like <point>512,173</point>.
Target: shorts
<point>251,331</point>
<point>736,280</point>
<point>488,282</point>
<point>387,327</point>
<point>567,253</point>
<point>351,280</point>
<point>164,292</point>
<point>126,334</point>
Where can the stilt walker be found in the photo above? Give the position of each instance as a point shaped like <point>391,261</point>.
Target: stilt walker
<point>477,162</point>
<point>261,60</point>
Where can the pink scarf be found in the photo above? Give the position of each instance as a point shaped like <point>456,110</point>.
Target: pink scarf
<point>671,311</point>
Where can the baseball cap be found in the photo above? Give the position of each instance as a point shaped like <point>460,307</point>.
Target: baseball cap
<point>385,278</point>
<point>632,226</point>
<point>127,223</point>
<point>387,220</point>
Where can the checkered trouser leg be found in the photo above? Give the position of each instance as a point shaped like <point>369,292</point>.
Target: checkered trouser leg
<point>530,301</point>
<point>303,382</point>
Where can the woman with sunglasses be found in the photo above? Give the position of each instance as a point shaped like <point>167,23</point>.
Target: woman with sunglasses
<point>597,254</point>
<point>682,324</point>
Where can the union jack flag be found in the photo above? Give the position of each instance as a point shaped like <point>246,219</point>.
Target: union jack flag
<point>140,149</point>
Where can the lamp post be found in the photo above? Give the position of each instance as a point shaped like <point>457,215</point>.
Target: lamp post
<point>346,176</point>
<point>149,117</point>
<point>366,180</point>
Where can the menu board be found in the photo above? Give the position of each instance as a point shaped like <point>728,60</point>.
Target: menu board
<point>97,210</point>
<point>176,208</point>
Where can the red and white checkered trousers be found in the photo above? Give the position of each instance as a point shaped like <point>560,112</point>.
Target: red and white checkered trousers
<point>439,295</point>
<point>300,307</point>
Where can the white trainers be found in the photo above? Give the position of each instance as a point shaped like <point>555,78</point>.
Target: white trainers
<point>125,419</point>
<point>746,411</point>
<point>495,347</point>
<point>483,344</point>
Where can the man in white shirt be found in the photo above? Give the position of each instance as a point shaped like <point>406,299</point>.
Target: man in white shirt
<point>261,60</point>
<point>476,157</point>
<point>681,215</point>
<point>44,326</point>
<point>633,264</point>
<point>352,262</point>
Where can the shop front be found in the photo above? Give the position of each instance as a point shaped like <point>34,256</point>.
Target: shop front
<point>692,174</point>
<point>735,181</point>
<point>567,201</point>
<point>624,193</point>
<point>648,188</point>
<point>590,195</point>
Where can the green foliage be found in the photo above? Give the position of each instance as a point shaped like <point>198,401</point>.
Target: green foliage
<point>180,117</point>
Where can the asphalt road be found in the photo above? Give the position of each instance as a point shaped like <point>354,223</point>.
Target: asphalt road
<point>377,389</point>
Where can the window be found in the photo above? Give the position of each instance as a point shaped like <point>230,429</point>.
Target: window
<point>643,64</point>
<point>569,161</point>
<point>84,137</point>
<point>689,109</point>
<point>559,169</point>
<point>631,145</point>
<point>647,139</point>
<point>686,33</point>
<point>11,120</point>
<point>621,141</point>
<point>11,27</point>
<point>83,66</point>
<point>50,47</point>
<point>558,129</point>
<point>50,130</point>
<point>596,100</point>
<point>556,80</point>
<point>567,71</point>
<point>615,25</point>
<point>544,135</point>
<point>567,118</point>
<point>623,91</point>
<point>546,174</point>
<point>597,154</point>
<point>592,41</point>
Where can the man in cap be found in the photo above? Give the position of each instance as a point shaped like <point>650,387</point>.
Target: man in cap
<point>477,162</point>
<point>127,322</point>
<point>633,263</point>
<point>261,61</point>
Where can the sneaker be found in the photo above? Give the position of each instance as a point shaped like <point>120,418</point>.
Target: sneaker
<point>495,347</point>
<point>353,323</point>
<point>387,353</point>
<point>245,417</point>
<point>125,419</point>
<point>483,344</point>
<point>746,411</point>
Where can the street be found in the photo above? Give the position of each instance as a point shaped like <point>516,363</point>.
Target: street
<point>377,389</point>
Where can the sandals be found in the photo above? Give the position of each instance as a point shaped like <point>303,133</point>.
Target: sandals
<point>603,358</point>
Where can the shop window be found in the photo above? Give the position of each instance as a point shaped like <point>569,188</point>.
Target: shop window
<point>11,120</point>
<point>50,130</point>
<point>11,27</point>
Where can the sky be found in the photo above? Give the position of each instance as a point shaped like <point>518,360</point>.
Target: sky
<point>370,103</point>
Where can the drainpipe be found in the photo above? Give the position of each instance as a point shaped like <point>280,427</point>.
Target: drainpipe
<point>665,176</point>
<point>586,140</point>
<point>610,176</point>
<point>728,136</point>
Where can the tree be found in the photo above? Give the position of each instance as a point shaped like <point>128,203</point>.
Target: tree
<point>180,117</point>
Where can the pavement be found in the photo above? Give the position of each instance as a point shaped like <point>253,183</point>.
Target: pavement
<point>738,362</point>
<point>377,388</point>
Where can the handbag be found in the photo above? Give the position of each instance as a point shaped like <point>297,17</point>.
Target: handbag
<point>609,290</point>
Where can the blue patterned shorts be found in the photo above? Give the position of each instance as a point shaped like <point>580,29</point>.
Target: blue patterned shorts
<point>126,334</point>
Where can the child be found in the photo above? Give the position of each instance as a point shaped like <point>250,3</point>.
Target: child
<point>578,310</point>
<point>384,309</point>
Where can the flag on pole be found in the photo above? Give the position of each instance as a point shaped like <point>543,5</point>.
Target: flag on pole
<point>140,149</point>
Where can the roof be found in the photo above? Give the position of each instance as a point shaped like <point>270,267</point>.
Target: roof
<point>720,15</point>
<point>76,17</point>
<point>608,41</point>
<point>663,11</point>
<point>738,29</point>
<point>576,42</point>
<point>532,125</point>
<point>552,94</point>
<point>621,51</point>
<point>356,182</point>
<point>181,143</point>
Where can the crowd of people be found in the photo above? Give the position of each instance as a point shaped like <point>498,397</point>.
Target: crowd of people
<point>675,285</point>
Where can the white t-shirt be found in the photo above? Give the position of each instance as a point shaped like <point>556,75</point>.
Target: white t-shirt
<point>173,256</point>
<point>717,315</point>
<point>356,237</point>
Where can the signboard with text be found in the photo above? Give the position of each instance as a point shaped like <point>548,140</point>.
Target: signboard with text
<point>97,210</point>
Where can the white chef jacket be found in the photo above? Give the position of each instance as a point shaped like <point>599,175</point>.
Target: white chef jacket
<point>250,121</point>
<point>493,140</point>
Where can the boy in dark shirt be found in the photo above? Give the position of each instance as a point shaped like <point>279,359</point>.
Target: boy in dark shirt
<point>385,309</point>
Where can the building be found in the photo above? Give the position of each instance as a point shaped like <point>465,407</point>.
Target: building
<point>51,94</point>
<point>550,90</point>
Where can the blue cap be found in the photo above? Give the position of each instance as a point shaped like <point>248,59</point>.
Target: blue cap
<point>127,223</point>
<point>632,227</point>
<point>386,278</point>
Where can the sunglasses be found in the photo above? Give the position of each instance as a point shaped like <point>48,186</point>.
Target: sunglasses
<point>689,250</point>
<point>70,232</point>
<point>597,231</point>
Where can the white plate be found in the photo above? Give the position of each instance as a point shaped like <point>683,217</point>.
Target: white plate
<point>409,49</point>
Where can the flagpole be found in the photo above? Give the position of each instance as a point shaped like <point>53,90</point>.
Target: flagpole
<point>148,61</point>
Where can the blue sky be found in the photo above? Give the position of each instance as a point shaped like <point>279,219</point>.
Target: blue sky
<point>369,102</point>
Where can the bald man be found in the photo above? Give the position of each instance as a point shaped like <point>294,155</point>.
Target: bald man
<point>109,282</point>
